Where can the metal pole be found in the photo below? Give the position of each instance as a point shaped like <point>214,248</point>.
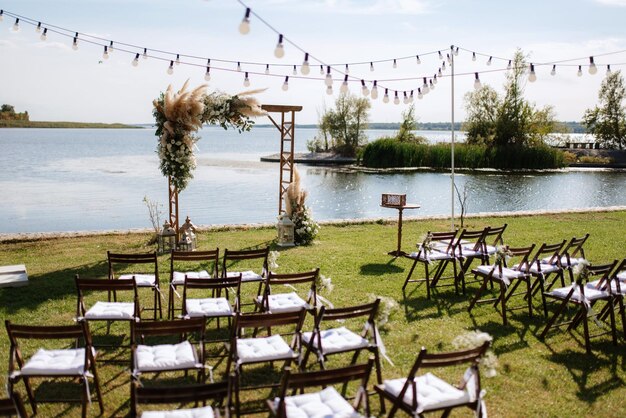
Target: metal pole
<point>452,142</point>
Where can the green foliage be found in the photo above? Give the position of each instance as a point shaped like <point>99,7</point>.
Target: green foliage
<point>306,229</point>
<point>510,120</point>
<point>607,122</point>
<point>388,153</point>
<point>346,124</point>
<point>408,125</point>
<point>7,112</point>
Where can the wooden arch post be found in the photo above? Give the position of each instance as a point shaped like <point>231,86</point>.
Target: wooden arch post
<point>287,128</point>
<point>173,205</point>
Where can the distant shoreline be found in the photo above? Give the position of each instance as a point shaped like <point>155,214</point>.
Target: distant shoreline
<point>64,125</point>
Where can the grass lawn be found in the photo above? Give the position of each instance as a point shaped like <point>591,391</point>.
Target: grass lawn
<point>551,378</point>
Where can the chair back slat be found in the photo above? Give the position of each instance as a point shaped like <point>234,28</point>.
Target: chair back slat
<point>170,327</point>
<point>139,258</point>
<point>574,247</point>
<point>493,236</point>
<point>475,238</point>
<point>105,285</point>
<point>44,332</point>
<point>233,257</point>
<point>292,278</point>
<point>368,309</point>
<point>548,250</point>
<point>328,377</point>
<point>268,320</point>
<point>180,394</point>
<point>429,360</point>
<point>209,256</point>
<point>601,272</point>
<point>522,255</point>
<point>213,284</point>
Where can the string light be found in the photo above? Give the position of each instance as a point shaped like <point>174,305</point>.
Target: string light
<point>386,96</point>
<point>364,90</point>
<point>105,54</point>
<point>295,70</point>
<point>321,70</point>
<point>418,59</point>
<point>170,69</point>
<point>443,66</point>
<point>448,59</point>
<point>16,25</point>
<point>177,59</point>
<point>305,69</point>
<point>75,42</point>
<point>238,66</point>
<point>267,69</point>
<point>207,75</point>
<point>135,61</point>
<point>439,72</point>
<point>396,99</point>
<point>374,93</point>
<point>532,77</point>
<point>44,35</point>
<point>395,63</point>
<point>246,80</point>
<point>329,90</point>
<point>489,61</point>
<point>111,47</point>
<point>592,66</point>
<point>347,70</point>
<point>456,51</point>
<point>405,100</point>
<point>371,66</point>
<point>145,53</point>
<point>553,72</point>
<point>425,88</point>
<point>420,96</point>
<point>476,81</point>
<point>431,85</point>
<point>580,71</point>
<point>508,66</point>
<point>411,97</point>
<point>329,79</point>
<point>344,86</point>
<point>1,15</point>
<point>608,69</point>
<point>440,55</point>
<point>286,84</point>
<point>244,26</point>
<point>473,56</point>
<point>38,28</point>
<point>279,52</point>
<point>435,79</point>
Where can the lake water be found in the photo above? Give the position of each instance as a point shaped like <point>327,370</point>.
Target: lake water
<point>92,179</point>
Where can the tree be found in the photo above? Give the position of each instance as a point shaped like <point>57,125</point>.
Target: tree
<point>408,126</point>
<point>607,122</point>
<point>482,113</point>
<point>7,108</point>
<point>346,124</point>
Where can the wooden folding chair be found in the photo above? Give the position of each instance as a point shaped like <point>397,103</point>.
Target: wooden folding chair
<point>251,264</point>
<point>492,239</point>
<point>219,393</point>
<point>181,356</point>
<point>13,406</point>
<point>275,302</point>
<point>74,363</point>
<point>417,395</point>
<point>470,246</point>
<point>256,349</point>
<point>146,279</point>
<point>107,311</point>
<point>571,255</point>
<point>327,402</point>
<point>438,247</point>
<point>508,280</point>
<point>207,261</point>
<point>585,295</point>
<point>618,289</point>
<point>542,271</point>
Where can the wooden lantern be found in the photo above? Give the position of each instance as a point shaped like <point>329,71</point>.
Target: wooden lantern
<point>286,231</point>
<point>188,241</point>
<point>167,239</point>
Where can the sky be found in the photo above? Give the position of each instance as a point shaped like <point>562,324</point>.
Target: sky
<point>54,82</point>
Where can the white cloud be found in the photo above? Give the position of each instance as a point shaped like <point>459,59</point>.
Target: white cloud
<point>52,45</point>
<point>364,7</point>
<point>618,3</point>
<point>6,44</point>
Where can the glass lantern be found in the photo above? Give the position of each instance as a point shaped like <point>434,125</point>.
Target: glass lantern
<point>286,231</point>
<point>167,239</point>
<point>188,241</point>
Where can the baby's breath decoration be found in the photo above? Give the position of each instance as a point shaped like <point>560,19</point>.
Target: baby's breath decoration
<point>180,114</point>
<point>426,243</point>
<point>386,307</point>
<point>272,257</point>
<point>581,271</point>
<point>474,339</point>
<point>324,284</point>
<point>503,254</point>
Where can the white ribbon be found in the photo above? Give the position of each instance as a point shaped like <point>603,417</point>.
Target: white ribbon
<point>379,342</point>
<point>85,378</point>
<point>320,299</point>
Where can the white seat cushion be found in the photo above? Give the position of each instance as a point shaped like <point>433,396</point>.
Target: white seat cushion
<point>151,358</point>
<point>251,350</point>
<point>573,260</point>
<point>178,278</point>
<point>203,412</point>
<point>507,273</point>
<point>69,362</point>
<point>542,268</point>
<point>111,310</point>
<point>198,308</point>
<point>434,255</point>
<point>622,276</point>
<point>594,284</point>
<point>590,293</point>
<point>141,280</point>
<point>337,339</point>
<point>432,392</point>
<point>284,302</point>
<point>324,404</point>
<point>246,276</point>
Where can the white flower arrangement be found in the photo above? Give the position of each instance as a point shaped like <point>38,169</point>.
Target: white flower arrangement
<point>581,271</point>
<point>324,284</point>
<point>503,254</point>
<point>386,307</point>
<point>272,257</point>
<point>474,339</point>
<point>426,243</point>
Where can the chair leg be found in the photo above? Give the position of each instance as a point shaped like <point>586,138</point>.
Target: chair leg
<point>408,277</point>
<point>503,297</point>
<point>586,330</point>
<point>553,319</point>
<point>379,378</point>
<point>611,305</point>
<point>427,281</point>
<point>96,383</point>
<point>483,286</point>
<point>530,299</point>
<point>31,395</point>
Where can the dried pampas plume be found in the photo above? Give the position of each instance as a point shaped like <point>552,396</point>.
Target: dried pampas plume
<point>252,106</point>
<point>294,196</point>
<point>184,107</point>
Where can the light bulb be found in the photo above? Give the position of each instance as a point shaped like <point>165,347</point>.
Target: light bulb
<point>364,90</point>
<point>396,99</point>
<point>374,93</point>
<point>508,66</point>
<point>418,59</point>
<point>295,70</point>
<point>431,85</point>
<point>305,69</point>
<point>371,66</point>
<point>347,70</point>
<point>420,96</point>
<point>238,66</point>
<point>177,59</point>
<point>608,69</point>
<point>411,97</point>
<point>246,81</point>
<point>473,56</point>
<point>38,28</point>
<point>286,84</point>
<point>75,44</point>
<point>244,26</point>
<point>44,35</point>
<point>476,81</point>
<point>580,71</point>
<point>443,66</point>
<point>329,79</point>
<point>435,79</point>
<point>16,25</point>
<point>279,52</point>
<point>111,47</point>
<point>267,68</point>
<point>321,70</point>
<point>405,100</point>
<point>136,60</point>
<point>395,64</point>
<point>489,61</point>
<point>456,51</point>
<point>532,77</point>
<point>448,59</point>
<point>386,96</point>
<point>440,55</point>
<point>207,75</point>
<point>145,53</point>
<point>1,15</point>
<point>592,66</point>
<point>344,86</point>
<point>329,90</point>
<point>105,54</point>
<point>553,72</point>
<point>170,69</point>
<point>439,73</point>
<point>425,89</point>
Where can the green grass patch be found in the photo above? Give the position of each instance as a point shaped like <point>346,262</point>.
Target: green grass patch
<point>551,378</point>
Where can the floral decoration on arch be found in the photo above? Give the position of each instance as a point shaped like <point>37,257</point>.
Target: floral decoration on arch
<point>180,114</point>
